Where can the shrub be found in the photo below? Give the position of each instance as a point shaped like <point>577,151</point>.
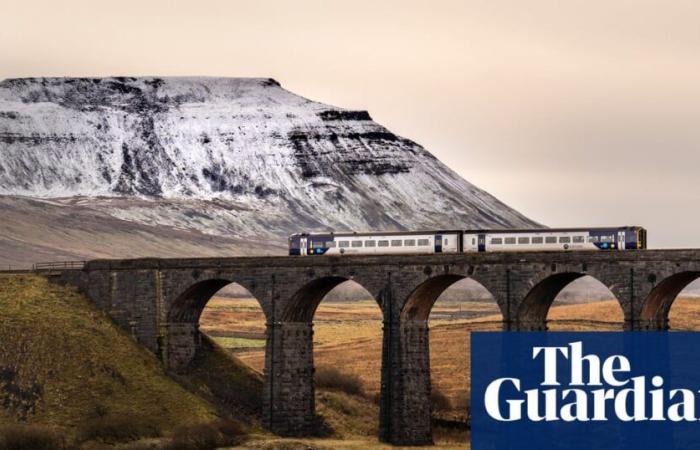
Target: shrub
<point>444,434</point>
<point>331,378</point>
<point>206,436</point>
<point>113,428</point>
<point>341,403</point>
<point>439,400</point>
<point>461,403</point>
<point>34,437</point>
<point>229,428</point>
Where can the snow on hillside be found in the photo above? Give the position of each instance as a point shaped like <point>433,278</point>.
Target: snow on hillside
<point>227,156</point>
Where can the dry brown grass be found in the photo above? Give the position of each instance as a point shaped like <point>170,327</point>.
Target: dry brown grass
<point>206,436</point>
<point>113,429</point>
<point>685,314</point>
<point>348,335</point>
<point>332,378</point>
<point>34,437</point>
<point>598,316</point>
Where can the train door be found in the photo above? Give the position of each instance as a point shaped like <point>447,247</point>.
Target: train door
<point>482,242</point>
<point>438,243</point>
<point>621,240</point>
<point>469,243</point>
<point>303,245</point>
<point>450,243</point>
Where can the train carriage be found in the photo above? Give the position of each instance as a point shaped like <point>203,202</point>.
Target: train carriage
<point>387,243</point>
<point>555,239</point>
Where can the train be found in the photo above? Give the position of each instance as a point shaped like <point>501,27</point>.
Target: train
<point>469,241</point>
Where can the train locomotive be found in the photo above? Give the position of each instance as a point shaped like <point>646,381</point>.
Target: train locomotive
<point>469,241</point>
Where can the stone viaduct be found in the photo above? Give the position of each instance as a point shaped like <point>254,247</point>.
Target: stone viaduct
<point>159,301</point>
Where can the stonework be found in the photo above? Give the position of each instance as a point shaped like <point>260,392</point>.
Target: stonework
<point>159,301</point>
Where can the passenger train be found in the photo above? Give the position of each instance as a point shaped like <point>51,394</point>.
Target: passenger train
<point>469,241</point>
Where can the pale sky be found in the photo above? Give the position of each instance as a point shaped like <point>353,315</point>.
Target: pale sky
<point>575,113</point>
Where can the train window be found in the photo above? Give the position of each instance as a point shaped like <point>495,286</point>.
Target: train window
<point>396,243</point>
<point>564,239</point>
<point>409,242</point>
<point>537,240</point>
<point>496,241</point>
<point>382,243</point>
<point>523,240</point>
<point>550,240</point>
<point>593,239</point>
<point>317,244</point>
<point>607,239</point>
<point>370,243</point>
<point>445,241</point>
<point>578,239</point>
<point>343,244</point>
<point>330,244</point>
<point>473,241</point>
<point>357,243</point>
<point>423,242</point>
<point>510,241</point>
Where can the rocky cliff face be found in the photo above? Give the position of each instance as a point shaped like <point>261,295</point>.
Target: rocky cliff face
<point>225,156</point>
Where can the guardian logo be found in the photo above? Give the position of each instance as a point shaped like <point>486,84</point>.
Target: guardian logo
<point>585,390</point>
<point>569,400</point>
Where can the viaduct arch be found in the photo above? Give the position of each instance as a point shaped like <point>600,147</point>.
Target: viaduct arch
<point>654,314</point>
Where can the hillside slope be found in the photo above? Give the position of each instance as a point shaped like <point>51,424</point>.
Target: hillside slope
<point>235,157</point>
<point>34,230</point>
<point>63,363</point>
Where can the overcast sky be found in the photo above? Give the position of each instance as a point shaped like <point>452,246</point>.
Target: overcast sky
<point>576,113</point>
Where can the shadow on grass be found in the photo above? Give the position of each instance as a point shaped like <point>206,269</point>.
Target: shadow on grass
<point>223,380</point>
<point>35,437</point>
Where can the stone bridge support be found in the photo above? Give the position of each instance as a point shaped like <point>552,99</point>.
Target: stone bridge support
<point>288,395</point>
<point>405,416</point>
<point>406,407</point>
<point>179,344</point>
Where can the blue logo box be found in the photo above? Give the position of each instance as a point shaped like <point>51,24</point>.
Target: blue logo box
<point>585,391</point>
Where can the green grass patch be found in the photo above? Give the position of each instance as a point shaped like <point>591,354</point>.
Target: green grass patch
<point>233,343</point>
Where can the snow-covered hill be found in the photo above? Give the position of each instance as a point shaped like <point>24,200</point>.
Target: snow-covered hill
<point>227,156</point>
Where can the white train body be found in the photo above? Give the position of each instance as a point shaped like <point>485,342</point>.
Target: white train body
<point>554,240</point>
<point>378,243</point>
<point>469,241</point>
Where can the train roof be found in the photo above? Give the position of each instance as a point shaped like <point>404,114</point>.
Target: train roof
<point>448,231</point>
<point>550,230</point>
<point>376,233</point>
